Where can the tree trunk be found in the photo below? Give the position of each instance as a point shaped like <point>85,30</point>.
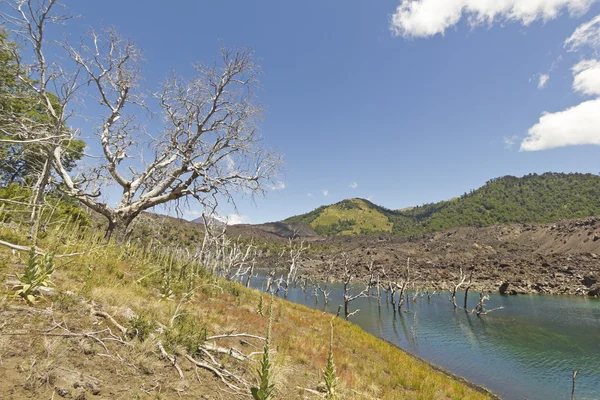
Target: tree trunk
<point>118,229</point>
<point>36,200</point>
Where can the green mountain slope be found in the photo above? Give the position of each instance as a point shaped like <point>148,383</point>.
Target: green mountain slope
<point>532,198</point>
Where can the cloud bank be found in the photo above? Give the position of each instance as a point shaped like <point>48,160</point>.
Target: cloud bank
<point>580,124</point>
<point>425,18</point>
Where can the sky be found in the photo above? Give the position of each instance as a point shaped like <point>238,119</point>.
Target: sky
<point>403,102</point>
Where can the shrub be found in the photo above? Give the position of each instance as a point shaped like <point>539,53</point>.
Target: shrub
<point>38,271</point>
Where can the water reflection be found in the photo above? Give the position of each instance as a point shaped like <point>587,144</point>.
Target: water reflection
<point>526,350</point>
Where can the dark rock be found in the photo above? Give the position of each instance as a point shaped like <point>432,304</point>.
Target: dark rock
<point>594,291</point>
<point>589,280</point>
<point>506,289</point>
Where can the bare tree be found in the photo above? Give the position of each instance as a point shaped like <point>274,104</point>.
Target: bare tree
<point>480,307</point>
<point>51,87</point>
<point>207,148</point>
<point>401,286</point>
<point>295,253</point>
<point>468,286</point>
<point>348,298</point>
<point>462,277</point>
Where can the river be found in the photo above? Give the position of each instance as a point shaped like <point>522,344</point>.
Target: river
<point>527,350</point>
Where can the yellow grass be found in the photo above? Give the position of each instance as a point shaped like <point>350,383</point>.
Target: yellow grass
<point>122,281</point>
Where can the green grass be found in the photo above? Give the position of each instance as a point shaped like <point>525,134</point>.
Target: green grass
<point>360,214</point>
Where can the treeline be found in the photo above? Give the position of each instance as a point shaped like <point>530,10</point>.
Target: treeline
<point>533,198</point>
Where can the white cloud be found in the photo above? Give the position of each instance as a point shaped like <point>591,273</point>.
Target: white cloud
<point>510,141</point>
<point>325,192</point>
<point>425,18</point>
<point>586,35</point>
<point>543,81</point>
<point>278,186</point>
<point>587,77</point>
<point>310,195</point>
<point>233,219</point>
<point>577,125</point>
<point>353,185</point>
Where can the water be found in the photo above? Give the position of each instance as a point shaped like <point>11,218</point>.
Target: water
<point>528,350</point>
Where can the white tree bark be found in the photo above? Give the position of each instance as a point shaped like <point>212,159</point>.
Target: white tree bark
<point>207,145</point>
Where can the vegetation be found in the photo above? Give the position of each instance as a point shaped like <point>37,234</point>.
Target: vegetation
<point>348,217</point>
<point>105,280</point>
<point>38,271</point>
<point>533,198</point>
<point>266,388</point>
<point>329,373</point>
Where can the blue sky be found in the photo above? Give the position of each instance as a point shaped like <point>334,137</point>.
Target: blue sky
<point>413,101</point>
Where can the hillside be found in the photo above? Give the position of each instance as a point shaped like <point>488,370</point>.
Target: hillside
<point>533,198</point>
<point>149,322</point>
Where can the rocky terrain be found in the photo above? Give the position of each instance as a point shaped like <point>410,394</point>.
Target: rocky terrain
<point>557,258</point>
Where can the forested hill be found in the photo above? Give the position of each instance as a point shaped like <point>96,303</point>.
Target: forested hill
<point>533,198</point>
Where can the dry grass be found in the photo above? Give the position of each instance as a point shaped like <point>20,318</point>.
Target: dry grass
<point>124,282</point>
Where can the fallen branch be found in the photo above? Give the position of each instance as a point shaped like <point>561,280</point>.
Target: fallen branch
<point>232,335</point>
<point>217,373</point>
<point>164,353</point>
<point>111,319</point>
<point>238,355</point>
<point>40,252</point>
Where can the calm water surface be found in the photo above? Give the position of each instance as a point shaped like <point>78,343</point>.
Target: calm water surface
<point>528,350</point>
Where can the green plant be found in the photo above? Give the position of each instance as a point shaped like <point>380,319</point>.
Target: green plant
<point>140,327</point>
<point>329,373</point>
<point>166,289</point>
<point>38,271</point>
<point>266,388</point>
<point>187,332</point>
<point>260,305</point>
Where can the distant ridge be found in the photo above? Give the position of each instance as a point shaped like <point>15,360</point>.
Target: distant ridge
<point>532,198</point>
<point>210,220</point>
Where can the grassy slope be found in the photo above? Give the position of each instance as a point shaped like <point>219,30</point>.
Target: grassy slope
<point>532,198</point>
<point>361,212</point>
<point>124,280</point>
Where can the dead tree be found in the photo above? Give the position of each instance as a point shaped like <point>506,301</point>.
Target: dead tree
<point>295,253</point>
<point>391,289</point>
<point>378,293</point>
<point>324,291</point>
<point>207,147</point>
<point>461,280</point>
<point>348,298</point>
<point>430,295</point>
<point>468,286</point>
<point>480,307</point>
<point>575,372</point>
<point>270,278</point>
<point>401,286</point>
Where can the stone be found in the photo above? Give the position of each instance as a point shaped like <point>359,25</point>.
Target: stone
<point>589,280</point>
<point>594,291</point>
